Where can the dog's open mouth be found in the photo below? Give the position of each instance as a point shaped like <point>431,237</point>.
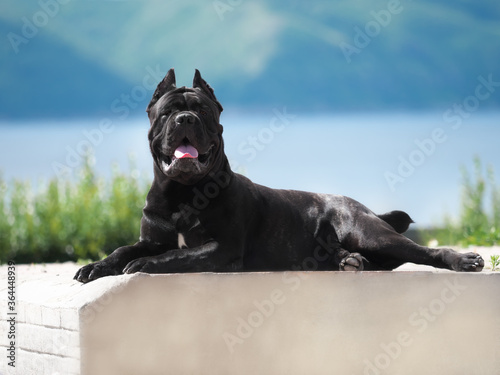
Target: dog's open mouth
<point>186,151</point>
<point>185,157</point>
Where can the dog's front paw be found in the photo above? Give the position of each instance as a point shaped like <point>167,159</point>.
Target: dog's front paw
<point>352,262</point>
<point>95,271</point>
<point>469,262</point>
<point>145,264</point>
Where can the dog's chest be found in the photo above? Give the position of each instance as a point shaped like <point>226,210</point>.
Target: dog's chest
<point>181,241</point>
<point>191,235</point>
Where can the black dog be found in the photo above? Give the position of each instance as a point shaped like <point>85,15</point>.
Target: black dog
<point>200,216</point>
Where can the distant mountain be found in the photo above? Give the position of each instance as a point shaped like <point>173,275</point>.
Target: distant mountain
<point>62,59</point>
<point>55,81</point>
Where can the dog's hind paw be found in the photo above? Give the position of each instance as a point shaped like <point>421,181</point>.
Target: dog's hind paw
<point>469,262</point>
<point>352,262</point>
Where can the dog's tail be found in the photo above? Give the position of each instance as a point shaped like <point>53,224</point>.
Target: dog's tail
<point>399,220</point>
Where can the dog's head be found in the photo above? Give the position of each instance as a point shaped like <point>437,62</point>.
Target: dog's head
<point>185,136</point>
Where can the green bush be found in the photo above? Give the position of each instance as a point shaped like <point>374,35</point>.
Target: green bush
<point>479,220</point>
<point>85,218</point>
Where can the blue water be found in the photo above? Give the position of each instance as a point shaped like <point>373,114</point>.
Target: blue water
<point>386,161</point>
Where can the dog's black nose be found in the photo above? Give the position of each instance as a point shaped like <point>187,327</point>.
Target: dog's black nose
<point>184,118</point>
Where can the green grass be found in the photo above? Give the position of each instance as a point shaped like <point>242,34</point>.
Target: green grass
<point>82,219</point>
<point>479,220</point>
<point>495,262</point>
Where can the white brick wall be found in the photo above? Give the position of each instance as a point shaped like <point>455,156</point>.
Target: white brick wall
<point>32,313</point>
<point>54,341</point>
<point>35,363</point>
<point>47,322</point>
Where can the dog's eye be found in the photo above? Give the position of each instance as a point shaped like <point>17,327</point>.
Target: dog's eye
<point>165,115</point>
<point>203,112</point>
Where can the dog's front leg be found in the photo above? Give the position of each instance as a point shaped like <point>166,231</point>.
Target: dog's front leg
<point>114,263</point>
<point>205,258</point>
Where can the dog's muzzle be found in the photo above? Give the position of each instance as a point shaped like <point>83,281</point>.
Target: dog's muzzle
<point>187,159</point>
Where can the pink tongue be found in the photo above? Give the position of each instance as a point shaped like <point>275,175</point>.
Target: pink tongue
<point>186,151</point>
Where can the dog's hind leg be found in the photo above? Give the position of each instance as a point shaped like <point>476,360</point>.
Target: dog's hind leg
<point>380,243</point>
<point>389,249</point>
<point>340,258</point>
<point>357,262</point>
<point>349,261</point>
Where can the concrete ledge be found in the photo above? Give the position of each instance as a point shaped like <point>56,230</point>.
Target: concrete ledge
<point>268,323</point>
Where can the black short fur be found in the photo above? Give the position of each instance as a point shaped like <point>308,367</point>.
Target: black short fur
<point>201,216</point>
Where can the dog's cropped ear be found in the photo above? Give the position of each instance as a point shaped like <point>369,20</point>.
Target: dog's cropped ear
<point>167,84</point>
<point>200,83</point>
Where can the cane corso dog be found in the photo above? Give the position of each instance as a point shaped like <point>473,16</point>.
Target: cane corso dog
<point>200,216</point>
